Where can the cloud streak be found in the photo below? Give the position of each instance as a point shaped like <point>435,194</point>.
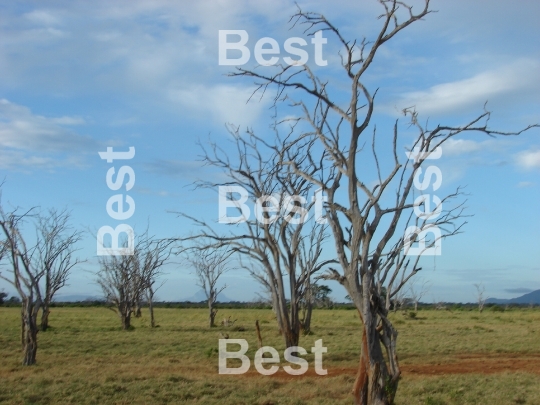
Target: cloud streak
<point>29,140</point>
<point>459,95</point>
<point>528,159</point>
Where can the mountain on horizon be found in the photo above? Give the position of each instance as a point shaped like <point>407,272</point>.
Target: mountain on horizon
<point>529,298</point>
<point>201,296</point>
<point>76,298</point>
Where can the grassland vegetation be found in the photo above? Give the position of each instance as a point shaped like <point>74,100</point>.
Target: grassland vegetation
<point>379,234</point>
<point>457,357</point>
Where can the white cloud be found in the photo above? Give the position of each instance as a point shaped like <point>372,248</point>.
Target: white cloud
<point>448,97</point>
<point>524,184</point>
<point>529,159</point>
<point>69,121</point>
<point>223,103</point>
<point>43,17</point>
<point>494,147</point>
<point>453,147</point>
<point>27,139</point>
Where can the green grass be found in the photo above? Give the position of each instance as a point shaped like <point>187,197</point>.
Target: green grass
<point>85,358</point>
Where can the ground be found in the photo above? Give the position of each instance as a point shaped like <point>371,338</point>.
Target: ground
<point>447,357</point>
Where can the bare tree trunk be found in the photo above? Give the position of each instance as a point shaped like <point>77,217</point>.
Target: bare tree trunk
<point>370,387</point>
<point>151,310</point>
<point>415,306</point>
<point>23,324</point>
<point>29,333</point>
<point>306,323</point>
<point>137,311</point>
<point>126,321</point>
<point>289,330</point>
<point>125,311</point>
<point>45,317</point>
<point>211,314</point>
<point>259,337</point>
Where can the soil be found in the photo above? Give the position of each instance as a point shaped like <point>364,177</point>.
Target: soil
<point>479,364</point>
<point>488,363</point>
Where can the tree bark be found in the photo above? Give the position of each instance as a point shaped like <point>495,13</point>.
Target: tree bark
<point>259,337</point>
<point>306,322</point>
<point>211,314</point>
<point>29,333</point>
<point>23,324</point>
<point>137,311</point>
<point>126,320</point>
<point>289,326</point>
<point>151,310</point>
<point>374,385</point>
<point>45,318</point>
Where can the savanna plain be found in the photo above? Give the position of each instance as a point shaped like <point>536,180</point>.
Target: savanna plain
<point>447,357</point>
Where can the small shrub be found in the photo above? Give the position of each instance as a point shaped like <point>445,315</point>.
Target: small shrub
<point>210,352</point>
<point>434,401</point>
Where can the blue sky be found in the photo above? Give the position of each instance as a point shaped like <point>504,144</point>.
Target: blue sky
<point>76,77</point>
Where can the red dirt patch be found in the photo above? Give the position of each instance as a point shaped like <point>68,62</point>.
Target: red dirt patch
<point>479,364</point>
<point>459,364</point>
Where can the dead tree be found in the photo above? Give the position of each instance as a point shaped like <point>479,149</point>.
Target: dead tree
<point>150,295</point>
<point>119,279</point>
<point>25,277</point>
<point>209,265</point>
<point>418,291</point>
<point>55,250</point>
<point>280,245</point>
<point>125,279</point>
<point>153,254</point>
<point>480,296</point>
<point>378,239</point>
<point>259,337</point>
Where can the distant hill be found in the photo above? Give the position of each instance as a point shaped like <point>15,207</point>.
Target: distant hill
<point>76,298</point>
<point>532,297</point>
<point>201,296</point>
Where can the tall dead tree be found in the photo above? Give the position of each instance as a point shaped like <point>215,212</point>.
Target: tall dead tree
<point>209,265</point>
<point>25,277</point>
<point>480,296</point>
<point>125,279</point>
<point>417,290</point>
<point>153,255</point>
<point>378,238</point>
<point>280,239</point>
<point>55,256</point>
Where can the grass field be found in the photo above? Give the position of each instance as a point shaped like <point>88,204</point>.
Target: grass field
<point>459,357</point>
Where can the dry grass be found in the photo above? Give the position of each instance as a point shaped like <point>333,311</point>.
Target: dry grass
<point>86,359</point>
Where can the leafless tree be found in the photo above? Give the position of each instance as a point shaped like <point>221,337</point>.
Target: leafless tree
<point>153,255</point>
<point>374,229</point>
<point>210,265</point>
<point>25,277</point>
<point>125,279</point>
<point>151,290</point>
<point>480,296</point>
<point>399,300</point>
<point>55,249</point>
<point>281,250</point>
<point>417,290</point>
